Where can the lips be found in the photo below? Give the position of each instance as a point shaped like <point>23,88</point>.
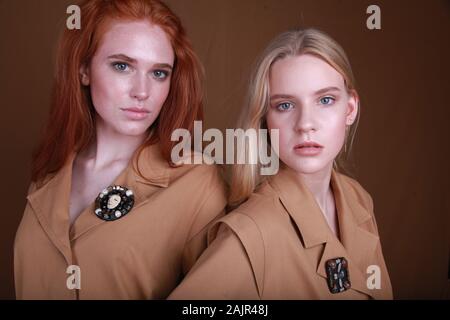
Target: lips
<point>308,149</point>
<point>137,110</point>
<point>135,113</point>
<point>308,144</point>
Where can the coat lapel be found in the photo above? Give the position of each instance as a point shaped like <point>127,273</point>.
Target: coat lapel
<point>357,245</point>
<point>156,171</point>
<point>302,207</point>
<point>50,202</point>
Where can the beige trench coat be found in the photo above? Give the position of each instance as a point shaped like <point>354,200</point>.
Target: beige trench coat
<point>142,255</point>
<point>275,246</point>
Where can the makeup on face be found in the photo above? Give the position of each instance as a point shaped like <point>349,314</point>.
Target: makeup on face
<point>129,75</point>
<point>308,105</point>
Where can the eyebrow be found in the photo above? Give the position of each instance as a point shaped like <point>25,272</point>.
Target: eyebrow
<point>318,92</point>
<point>281,96</point>
<point>131,60</point>
<point>327,89</point>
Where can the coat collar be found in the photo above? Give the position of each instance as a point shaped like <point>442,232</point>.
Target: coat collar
<point>357,244</point>
<point>50,202</point>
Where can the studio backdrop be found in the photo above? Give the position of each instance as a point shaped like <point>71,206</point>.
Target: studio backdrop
<point>401,151</point>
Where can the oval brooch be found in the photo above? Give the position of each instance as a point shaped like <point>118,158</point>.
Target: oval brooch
<point>114,203</point>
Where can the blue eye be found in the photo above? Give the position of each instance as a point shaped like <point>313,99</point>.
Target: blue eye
<point>160,74</point>
<point>120,66</point>
<point>284,106</point>
<point>327,100</point>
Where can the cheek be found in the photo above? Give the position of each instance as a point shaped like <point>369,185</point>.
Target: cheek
<point>275,121</point>
<point>161,93</point>
<point>336,133</point>
<point>106,90</point>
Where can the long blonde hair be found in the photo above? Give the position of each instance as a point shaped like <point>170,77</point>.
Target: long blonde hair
<point>245,178</point>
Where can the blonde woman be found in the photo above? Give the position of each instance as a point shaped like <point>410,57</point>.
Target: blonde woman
<point>307,232</point>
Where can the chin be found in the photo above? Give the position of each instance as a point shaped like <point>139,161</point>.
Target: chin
<point>307,166</point>
<point>133,130</point>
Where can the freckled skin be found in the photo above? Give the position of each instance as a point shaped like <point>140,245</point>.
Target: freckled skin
<point>116,84</point>
<point>125,85</point>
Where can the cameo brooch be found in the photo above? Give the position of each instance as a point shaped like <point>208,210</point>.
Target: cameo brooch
<point>114,203</point>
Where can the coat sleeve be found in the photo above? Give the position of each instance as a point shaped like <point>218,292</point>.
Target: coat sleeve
<point>212,208</point>
<point>224,271</point>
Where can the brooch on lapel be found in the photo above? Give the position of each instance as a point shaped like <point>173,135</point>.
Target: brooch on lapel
<point>337,275</point>
<point>113,203</point>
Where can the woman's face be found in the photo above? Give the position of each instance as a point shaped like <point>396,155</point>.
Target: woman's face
<point>310,106</point>
<point>129,76</point>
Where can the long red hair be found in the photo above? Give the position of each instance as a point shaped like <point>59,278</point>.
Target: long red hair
<point>71,125</point>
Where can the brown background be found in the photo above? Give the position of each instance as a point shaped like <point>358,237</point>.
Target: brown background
<point>402,71</point>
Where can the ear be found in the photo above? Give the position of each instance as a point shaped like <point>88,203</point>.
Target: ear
<point>84,73</point>
<point>352,108</point>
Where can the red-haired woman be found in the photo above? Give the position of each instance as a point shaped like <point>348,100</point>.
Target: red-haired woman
<point>109,215</point>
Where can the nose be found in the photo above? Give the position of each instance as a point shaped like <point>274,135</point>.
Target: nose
<point>305,120</point>
<point>140,88</point>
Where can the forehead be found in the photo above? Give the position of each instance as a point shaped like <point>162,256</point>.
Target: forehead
<point>140,39</point>
<point>303,74</point>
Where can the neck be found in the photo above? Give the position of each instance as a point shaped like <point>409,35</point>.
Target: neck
<point>319,185</point>
<point>110,146</point>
